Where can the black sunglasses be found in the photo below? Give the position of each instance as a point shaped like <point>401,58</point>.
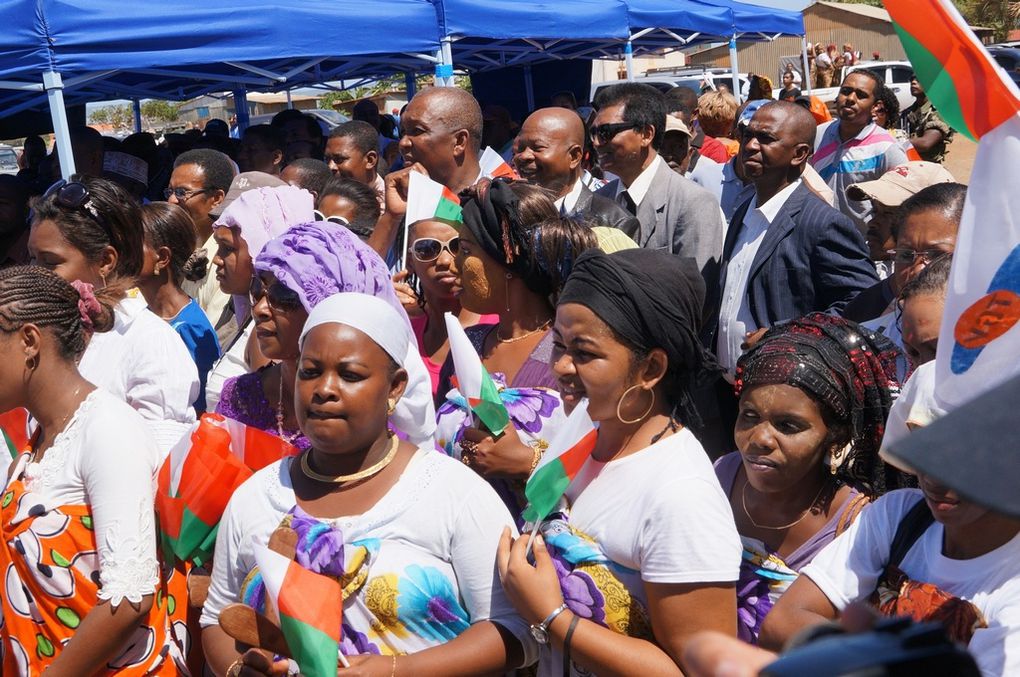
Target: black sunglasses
<point>75,195</point>
<point>279,296</point>
<point>427,249</point>
<point>183,194</point>
<point>605,133</point>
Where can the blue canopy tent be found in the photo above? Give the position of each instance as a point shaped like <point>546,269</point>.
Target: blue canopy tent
<point>103,49</point>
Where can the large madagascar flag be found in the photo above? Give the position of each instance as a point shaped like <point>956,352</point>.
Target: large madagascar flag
<point>200,475</point>
<point>14,426</point>
<point>493,166</point>
<point>569,448</point>
<point>979,344</point>
<point>473,380</point>
<point>310,606</point>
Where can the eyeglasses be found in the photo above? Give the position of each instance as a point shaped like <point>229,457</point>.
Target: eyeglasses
<point>607,132</point>
<point>75,195</point>
<point>183,194</point>
<point>279,296</point>
<point>908,257</point>
<point>428,249</point>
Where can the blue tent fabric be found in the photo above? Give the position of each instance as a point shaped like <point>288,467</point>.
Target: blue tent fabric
<point>534,19</point>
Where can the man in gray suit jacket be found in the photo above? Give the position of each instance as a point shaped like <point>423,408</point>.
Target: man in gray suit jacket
<point>674,213</point>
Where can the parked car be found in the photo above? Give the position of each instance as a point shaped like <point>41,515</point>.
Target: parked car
<point>1009,59</point>
<point>897,75</point>
<point>8,160</point>
<point>698,79</point>
<point>327,119</point>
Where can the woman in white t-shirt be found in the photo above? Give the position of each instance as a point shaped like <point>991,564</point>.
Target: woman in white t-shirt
<point>649,553</point>
<point>923,553</point>
<point>77,526</point>
<point>90,230</point>
<point>411,533</point>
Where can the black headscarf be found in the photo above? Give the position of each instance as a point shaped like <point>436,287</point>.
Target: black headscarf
<point>650,299</point>
<point>491,214</point>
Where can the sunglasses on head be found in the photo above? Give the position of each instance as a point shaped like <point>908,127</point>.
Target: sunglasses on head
<point>279,296</point>
<point>428,249</point>
<point>607,132</point>
<point>363,233</point>
<point>75,195</point>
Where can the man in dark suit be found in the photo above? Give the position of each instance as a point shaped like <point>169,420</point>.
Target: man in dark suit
<point>787,252</point>
<point>548,152</point>
<point>674,213</point>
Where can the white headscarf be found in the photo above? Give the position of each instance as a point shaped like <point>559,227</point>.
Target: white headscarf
<point>415,414</point>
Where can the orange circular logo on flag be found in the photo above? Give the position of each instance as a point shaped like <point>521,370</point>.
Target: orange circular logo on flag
<point>987,319</point>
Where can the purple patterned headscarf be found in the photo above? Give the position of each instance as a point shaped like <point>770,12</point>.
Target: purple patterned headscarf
<point>319,259</point>
<point>264,213</point>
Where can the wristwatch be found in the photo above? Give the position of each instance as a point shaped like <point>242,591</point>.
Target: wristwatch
<point>541,631</point>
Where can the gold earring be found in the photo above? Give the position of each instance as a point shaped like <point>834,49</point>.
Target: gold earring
<point>391,405</point>
<point>156,269</point>
<point>103,277</point>
<point>640,418</point>
<point>835,457</point>
<point>32,362</point>
<point>506,290</point>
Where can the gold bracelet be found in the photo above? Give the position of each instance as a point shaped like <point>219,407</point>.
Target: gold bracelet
<point>393,671</point>
<point>234,669</point>
<point>535,459</point>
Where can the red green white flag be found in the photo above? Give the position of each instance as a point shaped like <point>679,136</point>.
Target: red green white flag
<point>473,380</point>
<point>428,200</point>
<point>493,166</point>
<point>310,607</point>
<point>570,446</point>
<point>980,337</point>
<point>14,426</point>
<point>200,475</point>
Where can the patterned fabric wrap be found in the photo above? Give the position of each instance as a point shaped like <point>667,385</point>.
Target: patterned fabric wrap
<point>848,368</point>
<point>763,578</point>
<point>534,413</point>
<point>592,584</point>
<point>898,595</point>
<point>388,610</point>
<point>51,579</point>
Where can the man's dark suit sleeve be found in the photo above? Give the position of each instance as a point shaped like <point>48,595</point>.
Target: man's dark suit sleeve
<point>841,265</point>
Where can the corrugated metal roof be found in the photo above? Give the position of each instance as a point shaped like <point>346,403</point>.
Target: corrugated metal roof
<point>863,10</point>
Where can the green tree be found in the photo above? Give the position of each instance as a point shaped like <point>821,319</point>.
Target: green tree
<point>156,111</point>
<point>1001,16</point>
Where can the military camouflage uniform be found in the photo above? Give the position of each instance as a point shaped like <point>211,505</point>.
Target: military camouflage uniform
<point>917,120</point>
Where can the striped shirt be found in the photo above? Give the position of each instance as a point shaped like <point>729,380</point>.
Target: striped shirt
<point>865,157</point>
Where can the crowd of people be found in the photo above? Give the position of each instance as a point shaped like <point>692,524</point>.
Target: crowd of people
<point>735,294</point>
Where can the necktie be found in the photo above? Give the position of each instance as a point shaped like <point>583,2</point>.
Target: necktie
<point>627,202</point>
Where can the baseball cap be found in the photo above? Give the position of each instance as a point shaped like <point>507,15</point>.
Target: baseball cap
<point>242,183</point>
<point>675,124</point>
<point>972,450</point>
<point>900,182</point>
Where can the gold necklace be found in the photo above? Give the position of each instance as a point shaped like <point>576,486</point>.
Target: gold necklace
<point>743,504</point>
<point>360,475</point>
<point>515,339</point>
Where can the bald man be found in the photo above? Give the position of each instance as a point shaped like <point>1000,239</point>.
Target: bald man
<point>548,152</point>
<point>441,130</point>
<point>787,252</point>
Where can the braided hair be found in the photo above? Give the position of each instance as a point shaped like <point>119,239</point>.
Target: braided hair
<point>850,371</point>
<point>35,295</point>
<point>168,225</point>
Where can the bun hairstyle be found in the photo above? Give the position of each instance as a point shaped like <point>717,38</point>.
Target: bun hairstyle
<point>115,224</point>
<point>73,311</point>
<point>169,225</point>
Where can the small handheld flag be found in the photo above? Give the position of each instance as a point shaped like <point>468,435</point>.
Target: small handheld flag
<point>14,426</point>
<point>428,200</point>
<point>474,381</point>
<point>568,449</point>
<point>495,167</point>
<point>310,607</point>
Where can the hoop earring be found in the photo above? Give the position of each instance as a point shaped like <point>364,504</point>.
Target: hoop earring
<point>506,290</point>
<point>640,418</point>
<point>32,362</point>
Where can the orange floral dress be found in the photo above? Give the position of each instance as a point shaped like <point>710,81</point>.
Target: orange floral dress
<point>50,566</point>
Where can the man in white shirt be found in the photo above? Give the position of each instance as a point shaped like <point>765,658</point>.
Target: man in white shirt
<point>674,213</point>
<point>548,152</point>
<point>352,152</point>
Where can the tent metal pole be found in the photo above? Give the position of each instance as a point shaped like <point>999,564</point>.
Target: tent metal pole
<point>54,86</point>
<point>136,105</point>
<point>241,109</point>
<point>410,85</point>
<point>529,89</point>
<point>734,67</point>
<point>444,63</point>
<point>628,58</point>
<point>290,103</point>
<point>805,64</point>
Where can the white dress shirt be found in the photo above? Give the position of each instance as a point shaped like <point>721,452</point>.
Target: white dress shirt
<point>639,188</point>
<point>735,319</point>
<point>568,202</point>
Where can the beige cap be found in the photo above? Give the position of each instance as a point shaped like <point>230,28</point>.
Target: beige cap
<point>899,183</point>
<point>241,184</point>
<point>675,124</point>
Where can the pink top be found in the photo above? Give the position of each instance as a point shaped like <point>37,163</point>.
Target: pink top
<point>419,324</point>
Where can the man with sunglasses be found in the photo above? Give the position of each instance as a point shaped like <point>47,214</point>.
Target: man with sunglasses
<point>548,151</point>
<point>673,212</point>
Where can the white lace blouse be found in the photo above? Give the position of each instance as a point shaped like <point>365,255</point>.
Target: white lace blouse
<point>106,458</point>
